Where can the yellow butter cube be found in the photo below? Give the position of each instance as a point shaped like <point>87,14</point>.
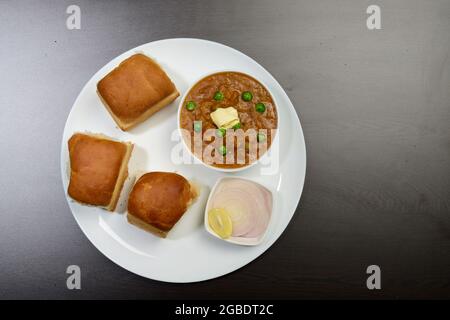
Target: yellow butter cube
<point>225,117</point>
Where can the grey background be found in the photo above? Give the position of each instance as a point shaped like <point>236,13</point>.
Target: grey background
<point>375,110</point>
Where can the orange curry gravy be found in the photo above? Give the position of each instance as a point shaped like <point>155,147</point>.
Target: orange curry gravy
<point>231,85</point>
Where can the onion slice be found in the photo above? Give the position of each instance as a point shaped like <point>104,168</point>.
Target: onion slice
<point>248,204</point>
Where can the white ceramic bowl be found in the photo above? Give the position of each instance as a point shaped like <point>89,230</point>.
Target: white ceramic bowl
<point>236,240</point>
<point>181,105</point>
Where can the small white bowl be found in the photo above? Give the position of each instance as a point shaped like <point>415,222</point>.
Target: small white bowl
<point>236,240</point>
<point>181,105</point>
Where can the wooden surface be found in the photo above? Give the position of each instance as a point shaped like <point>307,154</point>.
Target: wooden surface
<point>375,110</point>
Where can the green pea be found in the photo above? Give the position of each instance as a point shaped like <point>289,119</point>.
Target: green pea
<point>223,150</point>
<point>221,132</point>
<point>237,126</point>
<point>247,96</point>
<point>260,107</point>
<point>191,105</point>
<point>218,96</point>
<point>261,137</point>
<point>197,126</point>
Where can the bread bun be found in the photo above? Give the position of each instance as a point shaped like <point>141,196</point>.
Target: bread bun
<point>98,169</point>
<point>135,90</point>
<point>158,200</point>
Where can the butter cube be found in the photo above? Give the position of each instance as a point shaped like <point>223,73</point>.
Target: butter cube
<point>225,117</point>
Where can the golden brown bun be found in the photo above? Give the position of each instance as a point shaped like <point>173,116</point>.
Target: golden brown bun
<point>135,90</point>
<point>98,169</point>
<point>158,200</point>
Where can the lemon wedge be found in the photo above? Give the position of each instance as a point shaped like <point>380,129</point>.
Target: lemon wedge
<point>220,221</point>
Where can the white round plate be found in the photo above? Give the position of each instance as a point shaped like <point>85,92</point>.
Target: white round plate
<point>189,253</point>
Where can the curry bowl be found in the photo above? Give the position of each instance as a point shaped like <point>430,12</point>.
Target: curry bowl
<point>228,120</point>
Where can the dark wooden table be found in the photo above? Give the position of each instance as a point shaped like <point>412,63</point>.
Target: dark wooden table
<point>375,110</point>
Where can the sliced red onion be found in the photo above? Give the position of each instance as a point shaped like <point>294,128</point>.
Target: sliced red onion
<point>248,204</point>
